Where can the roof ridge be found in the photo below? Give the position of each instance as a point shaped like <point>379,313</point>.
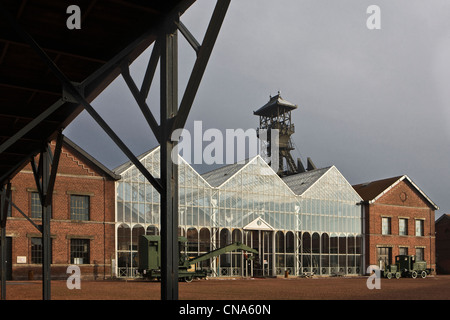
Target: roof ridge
<point>234,168</point>
<point>308,177</point>
<point>124,166</point>
<point>382,186</point>
<point>378,180</point>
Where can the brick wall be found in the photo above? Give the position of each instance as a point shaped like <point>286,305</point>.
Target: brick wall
<point>443,245</point>
<point>403,201</point>
<point>76,176</point>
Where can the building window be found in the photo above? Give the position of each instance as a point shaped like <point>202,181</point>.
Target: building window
<point>419,228</point>
<point>79,251</point>
<point>386,225</point>
<point>9,214</point>
<point>403,251</point>
<point>420,254</point>
<point>36,250</point>
<point>36,207</point>
<point>403,227</point>
<point>79,207</point>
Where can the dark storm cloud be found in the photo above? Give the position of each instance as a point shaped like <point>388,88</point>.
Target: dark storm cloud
<point>375,103</point>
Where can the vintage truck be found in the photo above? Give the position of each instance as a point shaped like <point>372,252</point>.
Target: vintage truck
<point>407,266</point>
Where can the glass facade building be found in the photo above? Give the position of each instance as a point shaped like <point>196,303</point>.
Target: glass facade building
<point>305,223</point>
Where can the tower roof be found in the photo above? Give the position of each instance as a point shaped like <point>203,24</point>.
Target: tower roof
<point>272,107</point>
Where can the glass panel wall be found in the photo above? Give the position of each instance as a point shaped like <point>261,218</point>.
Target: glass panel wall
<point>317,231</point>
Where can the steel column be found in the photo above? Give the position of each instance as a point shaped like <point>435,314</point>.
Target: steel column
<point>3,262</point>
<point>45,176</point>
<point>169,169</point>
<point>4,215</point>
<point>46,215</point>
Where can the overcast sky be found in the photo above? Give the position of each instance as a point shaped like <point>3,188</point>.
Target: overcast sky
<point>374,103</point>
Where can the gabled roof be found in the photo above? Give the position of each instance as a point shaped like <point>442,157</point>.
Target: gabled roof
<point>74,148</point>
<point>219,176</point>
<point>301,182</point>
<point>123,167</point>
<point>372,191</point>
<point>445,216</point>
<point>259,224</point>
<point>297,184</point>
<point>127,165</point>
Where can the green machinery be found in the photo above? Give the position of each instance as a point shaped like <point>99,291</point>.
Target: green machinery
<point>150,258</point>
<point>406,266</point>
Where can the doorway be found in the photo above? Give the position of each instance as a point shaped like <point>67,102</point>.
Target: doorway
<point>262,241</point>
<point>384,257</point>
<point>8,258</point>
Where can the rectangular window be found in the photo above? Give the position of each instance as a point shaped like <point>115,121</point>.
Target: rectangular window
<point>9,214</point>
<point>79,251</point>
<point>386,225</point>
<point>419,228</point>
<point>36,207</point>
<point>37,250</point>
<point>420,254</point>
<point>403,227</point>
<point>79,207</point>
<point>403,251</point>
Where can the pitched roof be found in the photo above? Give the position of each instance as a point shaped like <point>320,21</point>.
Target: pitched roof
<point>271,107</point>
<point>74,148</point>
<point>372,191</point>
<point>218,176</point>
<point>301,182</point>
<point>442,217</point>
<point>123,167</point>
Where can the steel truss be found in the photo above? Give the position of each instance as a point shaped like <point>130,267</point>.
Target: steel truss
<point>172,116</point>
<point>45,176</point>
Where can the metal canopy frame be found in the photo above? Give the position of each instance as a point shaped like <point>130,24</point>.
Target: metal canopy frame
<point>6,193</point>
<point>172,116</point>
<point>45,176</point>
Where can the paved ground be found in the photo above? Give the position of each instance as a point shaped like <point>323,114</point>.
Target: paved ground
<point>431,288</point>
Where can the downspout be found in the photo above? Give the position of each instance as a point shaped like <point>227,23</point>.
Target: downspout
<point>104,228</point>
<point>431,240</point>
<point>363,236</point>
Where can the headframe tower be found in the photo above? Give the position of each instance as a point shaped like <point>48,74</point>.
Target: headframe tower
<point>276,114</point>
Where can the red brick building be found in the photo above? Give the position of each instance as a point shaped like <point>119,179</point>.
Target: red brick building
<point>82,222</point>
<point>399,219</point>
<point>443,244</point>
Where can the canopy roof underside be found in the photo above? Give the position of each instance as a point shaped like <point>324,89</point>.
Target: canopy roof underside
<point>31,95</point>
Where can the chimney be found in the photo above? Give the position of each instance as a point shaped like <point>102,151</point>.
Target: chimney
<point>311,165</point>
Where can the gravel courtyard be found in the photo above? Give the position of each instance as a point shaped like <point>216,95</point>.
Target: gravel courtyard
<point>340,288</point>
